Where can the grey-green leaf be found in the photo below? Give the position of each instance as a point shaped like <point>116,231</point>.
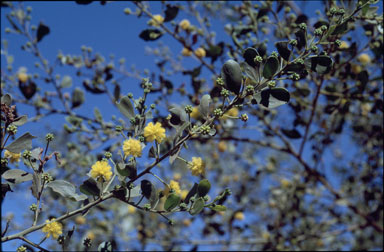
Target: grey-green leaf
<point>17,176</point>
<point>197,206</point>
<point>204,105</point>
<point>77,97</point>
<point>66,82</point>
<point>270,67</point>
<point>65,189</point>
<point>7,99</point>
<point>20,121</point>
<point>218,208</point>
<point>21,143</point>
<point>172,201</point>
<point>126,108</point>
<point>232,76</point>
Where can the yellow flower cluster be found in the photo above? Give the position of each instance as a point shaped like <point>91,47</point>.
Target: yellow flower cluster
<point>364,58</point>
<point>344,45</point>
<point>197,166</point>
<point>132,147</point>
<point>175,186</point>
<point>239,216</point>
<point>195,113</point>
<point>156,21</point>
<point>101,169</point>
<point>23,77</point>
<point>184,24</point>
<point>200,52</point>
<point>154,132</point>
<point>54,228</point>
<point>13,157</point>
<point>186,52</point>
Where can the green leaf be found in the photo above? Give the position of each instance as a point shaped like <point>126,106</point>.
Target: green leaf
<point>204,105</point>
<point>150,34</point>
<point>178,115</point>
<point>21,143</point>
<point>17,176</point>
<point>272,97</point>
<point>197,206</point>
<point>66,82</point>
<point>282,48</point>
<point>42,31</point>
<point>126,108</point>
<point>77,97</point>
<point>218,208</point>
<point>116,92</point>
<point>7,99</point>
<point>321,64</point>
<point>105,247</point>
<point>203,187</point>
<point>127,170</point>
<point>340,28</point>
<point>89,187</point>
<point>249,55</point>
<point>232,76</point>
<point>148,190</point>
<point>191,193</point>
<point>171,12</point>
<point>270,67</point>
<point>172,201</point>
<point>293,133</point>
<point>65,189</point>
<point>20,121</point>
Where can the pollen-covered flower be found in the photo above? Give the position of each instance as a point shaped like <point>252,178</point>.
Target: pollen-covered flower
<point>13,157</point>
<point>197,166</point>
<point>132,147</point>
<point>174,185</point>
<point>54,228</point>
<point>364,58</point>
<point>101,169</point>
<point>186,52</point>
<point>184,24</point>
<point>200,52</point>
<point>156,21</point>
<point>154,132</point>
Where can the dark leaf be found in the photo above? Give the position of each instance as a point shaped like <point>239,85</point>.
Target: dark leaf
<point>340,28</point>
<point>270,67</point>
<point>6,99</point>
<point>293,133</point>
<point>116,92</point>
<point>321,64</point>
<point>83,2</point>
<point>272,97</point>
<point>89,187</point>
<point>42,31</point>
<point>77,97</point>
<point>249,56</point>
<point>301,39</point>
<point>94,89</point>
<point>232,76</point>
<point>28,89</point>
<point>4,189</point>
<point>203,187</point>
<point>150,34</point>
<point>171,12</point>
<point>282,48</point>
<point>191,193</point>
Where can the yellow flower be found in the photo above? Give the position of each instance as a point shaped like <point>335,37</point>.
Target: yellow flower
<point>175,186</point>
<point>154,132</point>
<point>186,52</point>
<point>233,112</point>
<point>344,45</point>
<point>222,146</point>
<point>101,169</point>
<point>177,176</point>
<point>80,220</point>
<point>364,58</point>
<point>239,216</point>
<point>285,183</point>
<point>183,194</point>
<point>131,209</point>
<point>195,113</point>
<point>187,222</point>
<point>23,77</point>
<point>156,21</point>
<point>54,228</point>
<point>13,157</point>
<point>356,69</point>
<point>197,166</point>
<point>132,147</point>
<point>184,24</point>
<point>200,52</point>
<point>91,235</point>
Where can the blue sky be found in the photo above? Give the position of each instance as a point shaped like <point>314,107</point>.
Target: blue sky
<point>108,31</point>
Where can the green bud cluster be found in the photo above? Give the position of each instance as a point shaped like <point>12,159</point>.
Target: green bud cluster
<point>295,76</point>
<point>47,177</point>
<point>220,81</point>
<point>224,92</point>
<point>314,48</point>
<point>218,112</point>
<point>271,84</point>
<point>293,42</point>
<point>27,154</point>
<point>244,117</point>
<point>303,26</point>
<point>258,59</point>
<point>188,109</point>
<point>205,129</point>
<point>12,129</point>
<point>49,137</point>
<point>107,154</point>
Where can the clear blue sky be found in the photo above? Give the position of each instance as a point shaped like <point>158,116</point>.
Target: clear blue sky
<point>108,31</point>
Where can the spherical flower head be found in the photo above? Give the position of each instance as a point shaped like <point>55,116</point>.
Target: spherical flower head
<point>195,113</point>
<point>23,77</point>
<point>174,185</point>
<point>344,45</point>
<point>131,209</point>
<point>222,146</point>
<point>200,52</point>
<point>197,166</point>
<point>364,58</point>
<point>186,52</point>
<point>54,228</point>
<point>13,157</point>
<point>233,112</point>
<point>239,216</point>
<point>154,132</point>
<point>184,24</point>
<point>101,169</point>
<point>156,21</point>
<point>132,147</point>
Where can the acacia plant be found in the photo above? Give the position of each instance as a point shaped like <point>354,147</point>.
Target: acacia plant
<point>273,140</point>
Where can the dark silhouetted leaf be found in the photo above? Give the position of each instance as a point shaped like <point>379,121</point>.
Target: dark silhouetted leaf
<point>232,76</point>
<point>77,97</point>
<point>28,89</point>
<point>42,31</point>
<point>249,56</point>
<point>301,39</point>
<point>191,193</point>
<point>282,48</point>
<point>150,34</point>
<point>320,64</point>
<point>171,12</point>
<point>293,133</point>
<point>270,67</point>
<point>89,187</point>
<point>172,201</point>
